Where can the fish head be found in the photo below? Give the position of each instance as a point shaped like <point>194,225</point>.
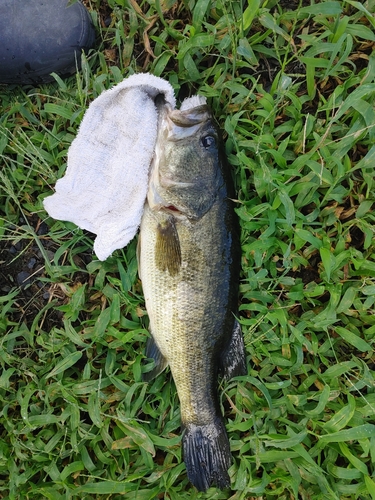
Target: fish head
<point>185,172</point>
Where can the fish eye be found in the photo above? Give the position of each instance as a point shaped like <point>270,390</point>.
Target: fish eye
<point>208,141</point>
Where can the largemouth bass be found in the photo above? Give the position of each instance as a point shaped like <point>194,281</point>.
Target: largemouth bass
<point>189,260</point>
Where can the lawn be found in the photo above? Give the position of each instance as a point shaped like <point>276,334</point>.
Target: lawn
<point>292,86</point>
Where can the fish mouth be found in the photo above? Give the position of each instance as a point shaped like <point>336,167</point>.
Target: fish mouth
<point>190,117</point>
<point>182,124</point>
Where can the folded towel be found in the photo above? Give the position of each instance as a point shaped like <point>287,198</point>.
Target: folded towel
<point>106,180</point>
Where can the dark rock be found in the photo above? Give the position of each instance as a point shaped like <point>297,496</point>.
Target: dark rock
<point>31,263</point>
<point>23,278</point>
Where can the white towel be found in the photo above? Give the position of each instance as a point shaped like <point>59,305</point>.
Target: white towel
<point>106,180</point>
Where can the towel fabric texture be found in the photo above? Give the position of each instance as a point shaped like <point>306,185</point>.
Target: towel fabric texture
<point>106,180</point>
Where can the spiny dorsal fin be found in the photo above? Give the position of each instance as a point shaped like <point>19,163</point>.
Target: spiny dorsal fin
<point>168,250</point>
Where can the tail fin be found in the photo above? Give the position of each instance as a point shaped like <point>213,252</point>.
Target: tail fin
<point>207,455</point>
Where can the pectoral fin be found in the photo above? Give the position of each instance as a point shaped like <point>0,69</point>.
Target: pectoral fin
<point>168,250</point>
<point>160,363</point>
<point>233,359</point>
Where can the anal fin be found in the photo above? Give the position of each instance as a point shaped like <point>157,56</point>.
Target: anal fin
<point>233,359</point>
<point>160,363</point>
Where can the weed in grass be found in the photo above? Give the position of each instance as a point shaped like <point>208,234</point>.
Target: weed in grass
<point>292,87</point>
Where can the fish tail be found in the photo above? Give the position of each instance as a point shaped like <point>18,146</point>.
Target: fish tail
<point>207,455</point>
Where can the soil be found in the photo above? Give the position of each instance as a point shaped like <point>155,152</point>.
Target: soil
<point>22,268</point>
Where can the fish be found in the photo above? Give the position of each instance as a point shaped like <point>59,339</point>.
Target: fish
<point>189,266</point>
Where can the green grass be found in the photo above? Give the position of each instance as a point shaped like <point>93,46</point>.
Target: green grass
<point>292,86</point>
